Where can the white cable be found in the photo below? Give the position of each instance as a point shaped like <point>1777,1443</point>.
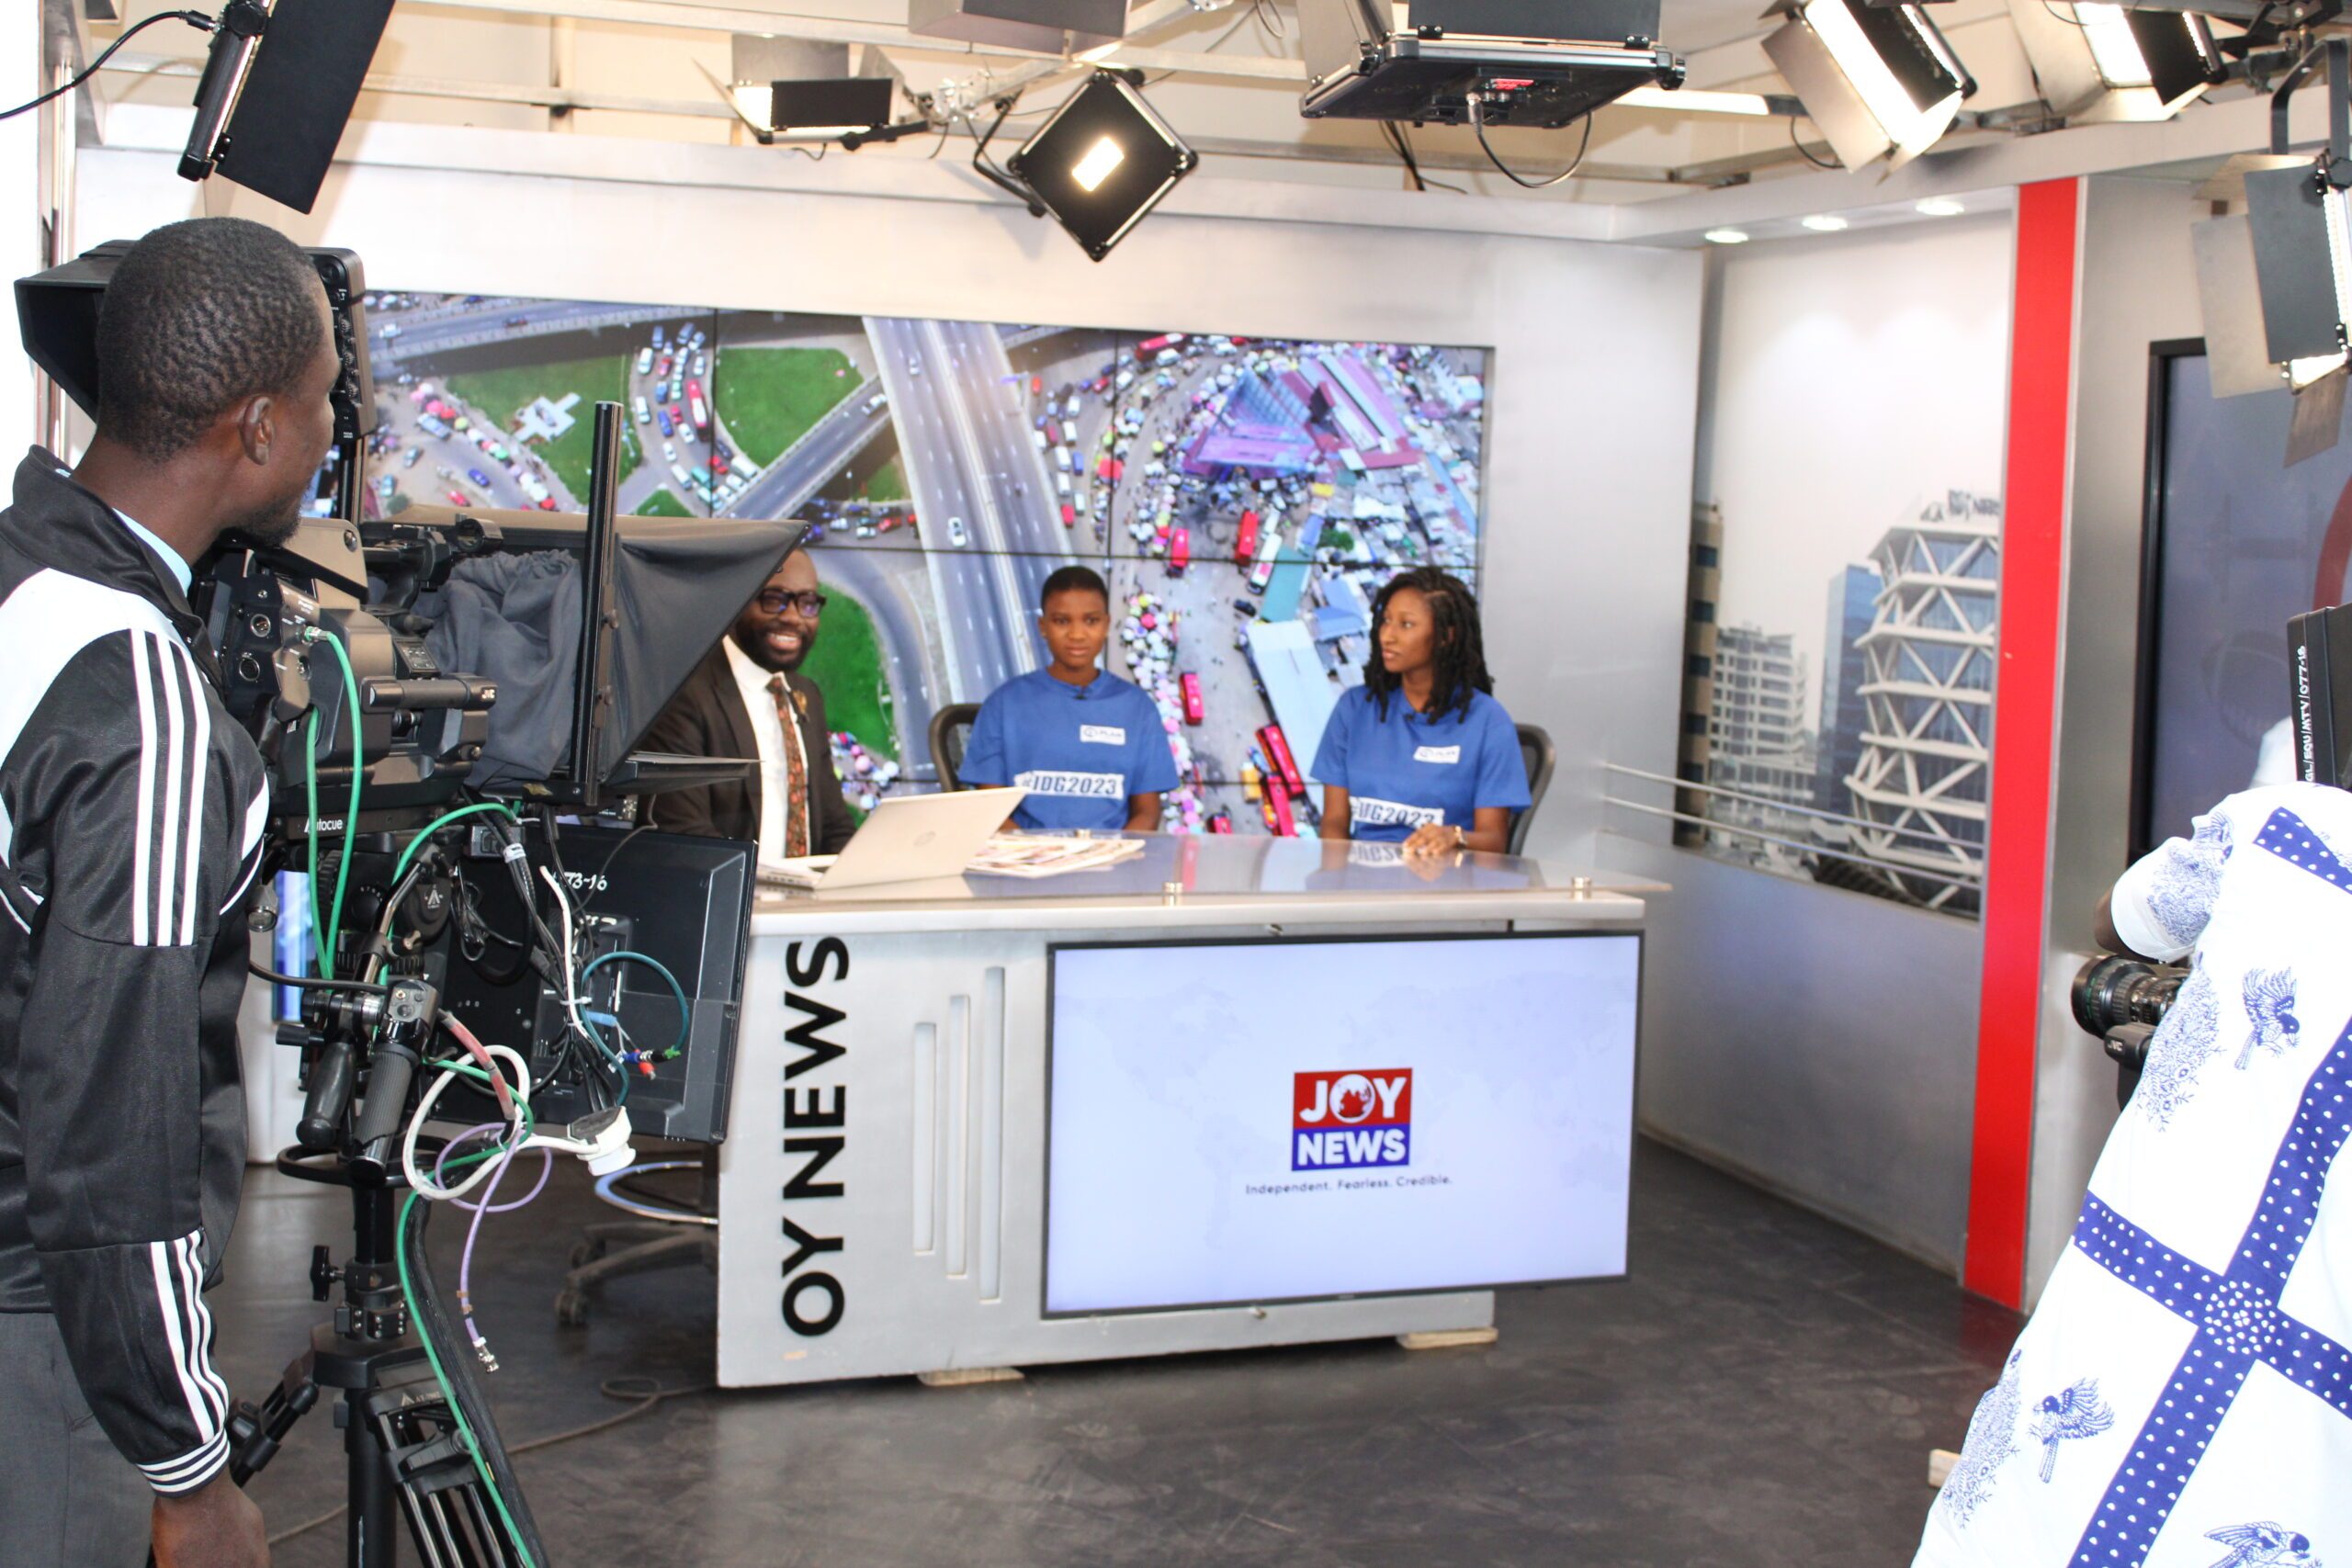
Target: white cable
<point>570,976</point>
<point>417,1177</point>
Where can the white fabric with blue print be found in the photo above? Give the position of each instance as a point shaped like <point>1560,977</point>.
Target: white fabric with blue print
<point>2182,1398</point>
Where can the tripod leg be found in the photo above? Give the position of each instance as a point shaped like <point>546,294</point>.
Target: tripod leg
<point>369,1527</point>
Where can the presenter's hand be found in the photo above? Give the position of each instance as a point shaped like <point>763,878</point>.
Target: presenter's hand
<point>1433,839</point>
<point>216,1525</point>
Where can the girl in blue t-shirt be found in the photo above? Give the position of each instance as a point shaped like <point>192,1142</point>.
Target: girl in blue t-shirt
<point>1420,754</point>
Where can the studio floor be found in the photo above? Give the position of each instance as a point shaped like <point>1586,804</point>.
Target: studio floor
<point>1761,1391</point>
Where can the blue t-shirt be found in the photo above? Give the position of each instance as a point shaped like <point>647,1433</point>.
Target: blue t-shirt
<point>1078,751</point>
<point>1406,770</point>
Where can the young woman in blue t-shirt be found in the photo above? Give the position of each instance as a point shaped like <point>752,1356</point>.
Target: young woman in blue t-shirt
<point>1421,754</point>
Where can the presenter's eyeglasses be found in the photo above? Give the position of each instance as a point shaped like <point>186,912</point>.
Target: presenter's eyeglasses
<point>776,601</point>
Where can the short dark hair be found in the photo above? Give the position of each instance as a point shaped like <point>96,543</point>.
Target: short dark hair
<point>198,316</point>
<point>1073,579</point>
<point>1460,651</point>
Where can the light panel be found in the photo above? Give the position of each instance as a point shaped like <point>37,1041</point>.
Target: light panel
<point>1101,162</point>
<point>1880,81</point>
<point>2103,64</point>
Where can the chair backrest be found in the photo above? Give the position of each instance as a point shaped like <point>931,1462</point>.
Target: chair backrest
<point>1536,751</point>
<point>951,729</point>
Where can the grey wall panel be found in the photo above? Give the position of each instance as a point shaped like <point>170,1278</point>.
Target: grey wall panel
<point>2139,287</point>
<point>1821,1043</point>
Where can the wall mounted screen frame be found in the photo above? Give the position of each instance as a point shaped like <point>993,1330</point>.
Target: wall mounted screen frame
<point>2233,543</point>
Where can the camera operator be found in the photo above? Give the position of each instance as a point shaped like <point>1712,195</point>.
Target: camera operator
<point>2184,1390</point>
<point>131,811</point>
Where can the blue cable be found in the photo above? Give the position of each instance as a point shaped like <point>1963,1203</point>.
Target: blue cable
<point>620,1070</point>
<point>685,1013</point>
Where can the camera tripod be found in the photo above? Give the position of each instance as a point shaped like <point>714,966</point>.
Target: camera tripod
<point>404,1440</point>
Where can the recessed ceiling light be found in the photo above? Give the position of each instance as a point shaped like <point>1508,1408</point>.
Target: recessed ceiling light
<point>1726,236</point>
<point>1942,206</point>
<point>1824,222</point>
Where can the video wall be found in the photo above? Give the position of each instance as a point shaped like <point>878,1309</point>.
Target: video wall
<point>1244,497</point>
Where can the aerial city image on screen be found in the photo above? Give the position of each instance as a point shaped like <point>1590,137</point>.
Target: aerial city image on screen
<point>1245,497</point>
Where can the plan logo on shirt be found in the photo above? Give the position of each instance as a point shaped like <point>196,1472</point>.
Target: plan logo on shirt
<point>1102,734</point>
<point>1085,786</point>
<point>1359,1117</point>
<point>1436,753</point>
<point>1367,811</point>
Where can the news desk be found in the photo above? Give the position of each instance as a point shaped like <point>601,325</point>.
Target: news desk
<point>884,1203</point>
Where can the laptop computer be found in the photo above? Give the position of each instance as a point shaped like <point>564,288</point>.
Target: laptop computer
<point>906,838</point>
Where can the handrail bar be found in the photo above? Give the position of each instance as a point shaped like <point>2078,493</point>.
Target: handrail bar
<point>1890,868</point>
<point>1839,817</point>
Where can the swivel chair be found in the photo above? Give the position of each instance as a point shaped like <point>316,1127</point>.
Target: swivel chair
<point>951,731</point>
<point>661,1234</point>
<point>1536,749</point>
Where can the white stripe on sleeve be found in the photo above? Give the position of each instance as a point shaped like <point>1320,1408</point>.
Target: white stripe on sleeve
<point>192,1469</point>
<point>167,843</point>
<point>162,1256</point>
<point>199,754</point>
<point>143,849</point>
<point>199,1338</point>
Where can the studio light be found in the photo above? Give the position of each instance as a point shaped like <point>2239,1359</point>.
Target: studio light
<point>1101,162</point>
<point>1047,27</point>
<point>826,109</point>
<point>279,84</point>
<point>2275,283</point>
<point>2302,267</point>
<point>1880,81</point>
<point>2107,64</point>
<point>805,90</point>
<point>1428,61</point>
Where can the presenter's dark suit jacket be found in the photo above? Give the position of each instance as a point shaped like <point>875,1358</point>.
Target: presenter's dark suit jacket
<point>707,718</point>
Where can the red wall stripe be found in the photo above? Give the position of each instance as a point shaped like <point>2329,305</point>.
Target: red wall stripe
<point>2034,534</point>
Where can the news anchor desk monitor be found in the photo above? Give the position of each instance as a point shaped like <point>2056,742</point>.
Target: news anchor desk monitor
<point>1229,1093</point>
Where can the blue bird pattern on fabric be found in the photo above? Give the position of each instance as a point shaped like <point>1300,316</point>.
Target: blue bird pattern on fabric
<point>2181,898</point>
<point>2067,1417</point>
<point>2187,1039</point>
<point>2270,1007</point>
<point>2263,1545</point>
<point>1992,1442</point>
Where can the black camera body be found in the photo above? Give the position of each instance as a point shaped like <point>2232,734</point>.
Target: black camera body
<point>418,727</point>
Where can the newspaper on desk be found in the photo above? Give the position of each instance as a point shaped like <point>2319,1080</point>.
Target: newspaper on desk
<point>1018,854</point>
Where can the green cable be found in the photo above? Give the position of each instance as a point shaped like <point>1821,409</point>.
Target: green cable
<point>401,866</point>
<point>685,1014</point>
<point>326,937</point>
<point>310,800</point>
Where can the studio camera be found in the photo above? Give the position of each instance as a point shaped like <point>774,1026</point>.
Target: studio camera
<point>447,705</point>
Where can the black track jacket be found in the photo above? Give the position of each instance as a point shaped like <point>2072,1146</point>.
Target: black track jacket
<point>132,809</point>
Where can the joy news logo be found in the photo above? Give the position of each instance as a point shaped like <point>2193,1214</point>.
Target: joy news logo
<point>1349,1119</point>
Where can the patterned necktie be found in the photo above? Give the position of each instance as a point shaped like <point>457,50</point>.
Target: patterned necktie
<point>796,772</point>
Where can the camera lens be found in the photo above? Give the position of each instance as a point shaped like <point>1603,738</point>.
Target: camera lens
<point>2111,991</point>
